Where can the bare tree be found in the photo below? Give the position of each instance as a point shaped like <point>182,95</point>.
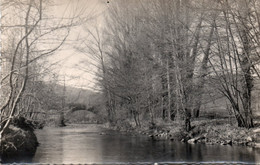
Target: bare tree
<point>28,34</point>
<point>237,57</point>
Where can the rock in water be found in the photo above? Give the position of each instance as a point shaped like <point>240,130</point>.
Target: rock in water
<point>192,141</point>
<point>249,139</point>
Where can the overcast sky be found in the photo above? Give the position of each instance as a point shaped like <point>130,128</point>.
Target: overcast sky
<point>68,57</point>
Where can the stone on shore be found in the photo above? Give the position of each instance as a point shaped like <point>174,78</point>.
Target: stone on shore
<point>18,140</point>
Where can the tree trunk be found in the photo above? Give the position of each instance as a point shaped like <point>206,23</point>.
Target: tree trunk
<point>203,73</point>
<point>247,93</point>
<point>61,120</point>
<point>187,119</point>
<point>246,65</point>
<point>169,92</point>
<point>109,106</point>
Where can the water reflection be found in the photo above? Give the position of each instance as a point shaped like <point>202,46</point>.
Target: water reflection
<point>51,146</point>
<point>86,145</point>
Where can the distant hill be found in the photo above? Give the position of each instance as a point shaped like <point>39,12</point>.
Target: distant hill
<point>79,95</point>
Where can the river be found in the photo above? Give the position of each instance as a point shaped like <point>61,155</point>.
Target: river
<point>90,143</point>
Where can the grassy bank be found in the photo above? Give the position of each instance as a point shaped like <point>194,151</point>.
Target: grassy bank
<point>208,131</point>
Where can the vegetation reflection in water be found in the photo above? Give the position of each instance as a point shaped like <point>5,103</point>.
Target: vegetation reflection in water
<point>86,144</point>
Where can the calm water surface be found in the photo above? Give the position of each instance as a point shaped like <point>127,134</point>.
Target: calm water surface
<point>84,144</point>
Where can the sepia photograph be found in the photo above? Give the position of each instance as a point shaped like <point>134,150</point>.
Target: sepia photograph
<point>130,82</point>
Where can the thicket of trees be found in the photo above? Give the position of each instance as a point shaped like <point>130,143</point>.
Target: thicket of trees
<point>29,33</point>
<point>156,57</point>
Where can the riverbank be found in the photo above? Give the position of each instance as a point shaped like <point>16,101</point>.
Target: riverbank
<point>18,140</point>
<point>210,132</point>
<point>93,144</point>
